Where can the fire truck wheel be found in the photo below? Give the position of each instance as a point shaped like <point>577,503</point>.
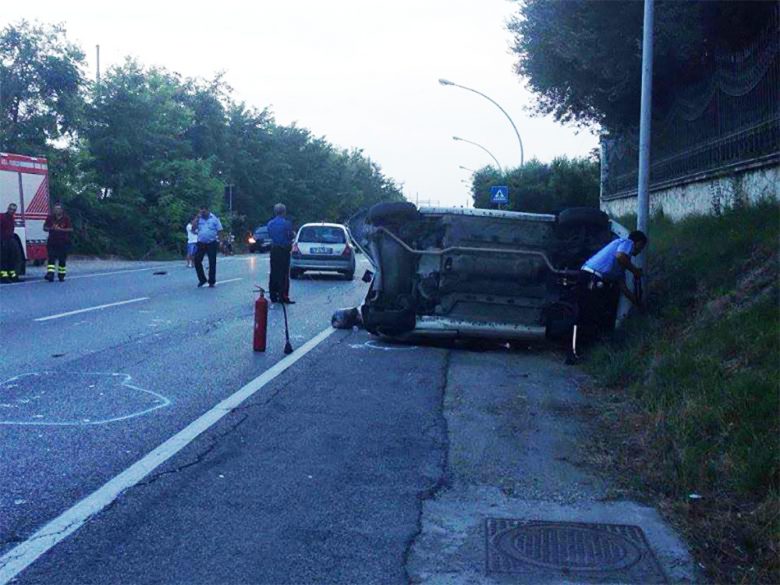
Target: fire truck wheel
<point>21,261</point>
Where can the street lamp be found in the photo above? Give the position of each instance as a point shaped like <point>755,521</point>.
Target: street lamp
<point>458,139</point>
<point>495,103</point>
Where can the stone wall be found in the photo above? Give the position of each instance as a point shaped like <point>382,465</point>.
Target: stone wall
<point>707,196</point>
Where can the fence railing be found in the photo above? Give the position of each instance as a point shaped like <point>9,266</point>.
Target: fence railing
<point>730,120</point>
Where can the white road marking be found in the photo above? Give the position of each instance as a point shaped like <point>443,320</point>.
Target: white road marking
<point>95,308</point>
<point>229,280</point>
<point>23,555</point>
<point>114,272</point>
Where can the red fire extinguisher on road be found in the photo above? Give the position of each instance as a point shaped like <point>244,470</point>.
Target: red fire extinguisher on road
<point>261,320</point>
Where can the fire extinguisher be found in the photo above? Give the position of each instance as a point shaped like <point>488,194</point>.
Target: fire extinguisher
<point>261,320</point>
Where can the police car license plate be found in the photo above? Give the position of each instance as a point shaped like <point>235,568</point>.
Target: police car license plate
<point>322,250</point>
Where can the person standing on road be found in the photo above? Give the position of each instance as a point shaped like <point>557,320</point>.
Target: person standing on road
<point>192,243</point>
<point>280,230</point>
<point>602,279</point>
<point>208,228</point>
<point>59,227</point>
<point>8,245</point>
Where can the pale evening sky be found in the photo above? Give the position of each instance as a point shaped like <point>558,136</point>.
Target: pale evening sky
<point>362,73</point>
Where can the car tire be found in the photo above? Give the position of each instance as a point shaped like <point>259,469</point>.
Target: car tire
<point>578,216</point>
<point>392,212</point>
<point>295,273</point>
<point>349,275</point>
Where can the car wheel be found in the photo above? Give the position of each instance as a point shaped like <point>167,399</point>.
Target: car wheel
<point>392,212</point>
<point>295,273</point>
<point>577,216</point>
<point>349,275</point>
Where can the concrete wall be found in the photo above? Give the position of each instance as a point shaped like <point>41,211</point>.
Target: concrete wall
<point>708,196</point>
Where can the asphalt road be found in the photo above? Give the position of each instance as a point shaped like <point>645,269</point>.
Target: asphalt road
<point>311,477</point>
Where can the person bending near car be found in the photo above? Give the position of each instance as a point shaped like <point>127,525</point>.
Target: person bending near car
<point>602,279</point>
<point>280,230</point>
<point>59,227</point>
<point>8,245</point>
<point>208,228</point>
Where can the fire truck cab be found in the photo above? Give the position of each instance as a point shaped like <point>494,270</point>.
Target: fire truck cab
<point>24,180</point>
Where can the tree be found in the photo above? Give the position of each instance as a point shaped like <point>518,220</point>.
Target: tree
<point>41,86</point>
<point>538,187</point>
<point>583,58</point>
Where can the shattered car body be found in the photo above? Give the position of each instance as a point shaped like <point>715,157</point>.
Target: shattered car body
<point>454,272</point>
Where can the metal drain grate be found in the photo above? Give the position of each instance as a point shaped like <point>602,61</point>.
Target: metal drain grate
<point>593,552</point>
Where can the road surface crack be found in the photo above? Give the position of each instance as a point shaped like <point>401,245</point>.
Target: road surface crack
<point>442,480</point>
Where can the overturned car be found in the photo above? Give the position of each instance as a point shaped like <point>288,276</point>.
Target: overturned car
<point>461,273</point>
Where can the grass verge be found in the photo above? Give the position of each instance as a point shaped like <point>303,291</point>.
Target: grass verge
<point>690,391</point>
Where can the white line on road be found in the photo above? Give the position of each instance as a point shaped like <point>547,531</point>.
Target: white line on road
<point>229,280</point>
<point>23,555</point>
<point>114,272</point>
<point>95,308</point>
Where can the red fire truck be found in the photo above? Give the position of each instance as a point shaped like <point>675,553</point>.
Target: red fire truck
<point>24,180</point>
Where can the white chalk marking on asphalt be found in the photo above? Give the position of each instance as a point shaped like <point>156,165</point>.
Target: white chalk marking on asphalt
<point>23,555</point>
<point>160,400</point>
<point>95,308</point>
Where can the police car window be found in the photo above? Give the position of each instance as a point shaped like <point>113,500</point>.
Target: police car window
<point>322,235</point>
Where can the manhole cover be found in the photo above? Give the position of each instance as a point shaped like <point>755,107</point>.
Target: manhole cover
<point>591,551</point>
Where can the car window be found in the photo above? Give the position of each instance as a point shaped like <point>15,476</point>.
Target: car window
<point>322,235</point>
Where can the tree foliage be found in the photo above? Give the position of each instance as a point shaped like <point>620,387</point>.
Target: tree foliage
<point>41,85</point>
<point>538,187</point>
<point>148,147</point>
<point>583,58</point>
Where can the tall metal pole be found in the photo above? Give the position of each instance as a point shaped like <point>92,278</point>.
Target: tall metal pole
<point>645,123</point>
<point>495,103</point>
<point>97,74</point>
<point>498,164</point>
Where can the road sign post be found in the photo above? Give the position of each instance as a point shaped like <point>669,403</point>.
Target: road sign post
<point>499,195</point>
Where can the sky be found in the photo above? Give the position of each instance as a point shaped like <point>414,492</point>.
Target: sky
<point>362,73</point>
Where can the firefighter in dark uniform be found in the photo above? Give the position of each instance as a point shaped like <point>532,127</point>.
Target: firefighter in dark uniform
<point>59,227</point>
<point>8,245</point>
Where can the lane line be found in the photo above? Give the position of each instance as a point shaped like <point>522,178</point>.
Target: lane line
<point>229,280</point>
<point>95,308</point>
<point>23,555</point>
<point>114,272</point>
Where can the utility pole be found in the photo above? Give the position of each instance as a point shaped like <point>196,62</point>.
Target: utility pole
<point>645,124</point>
<point>97,74</point>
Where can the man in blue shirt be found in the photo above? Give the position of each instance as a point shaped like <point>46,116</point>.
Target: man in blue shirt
<point>602,279</point>
<point>280,230</point>
<point>208,228</point>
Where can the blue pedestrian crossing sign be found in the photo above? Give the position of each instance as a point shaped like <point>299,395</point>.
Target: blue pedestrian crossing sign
<point>499,195</point>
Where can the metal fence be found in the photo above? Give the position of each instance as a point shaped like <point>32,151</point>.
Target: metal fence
<point>729,121</point>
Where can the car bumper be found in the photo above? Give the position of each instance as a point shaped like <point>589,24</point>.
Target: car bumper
<point>330,264</point>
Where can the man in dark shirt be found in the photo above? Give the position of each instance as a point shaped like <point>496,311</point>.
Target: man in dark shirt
<point>8,245</point>
<point>280,231</point>
<point>58,226</point>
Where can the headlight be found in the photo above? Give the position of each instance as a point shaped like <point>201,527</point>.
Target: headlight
<point>251,240</point>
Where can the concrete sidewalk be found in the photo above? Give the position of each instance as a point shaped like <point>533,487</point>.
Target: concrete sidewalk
<point>518,505</point>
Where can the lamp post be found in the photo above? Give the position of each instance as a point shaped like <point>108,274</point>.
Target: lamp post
<point>495,103</point>
<point>459,139</point>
